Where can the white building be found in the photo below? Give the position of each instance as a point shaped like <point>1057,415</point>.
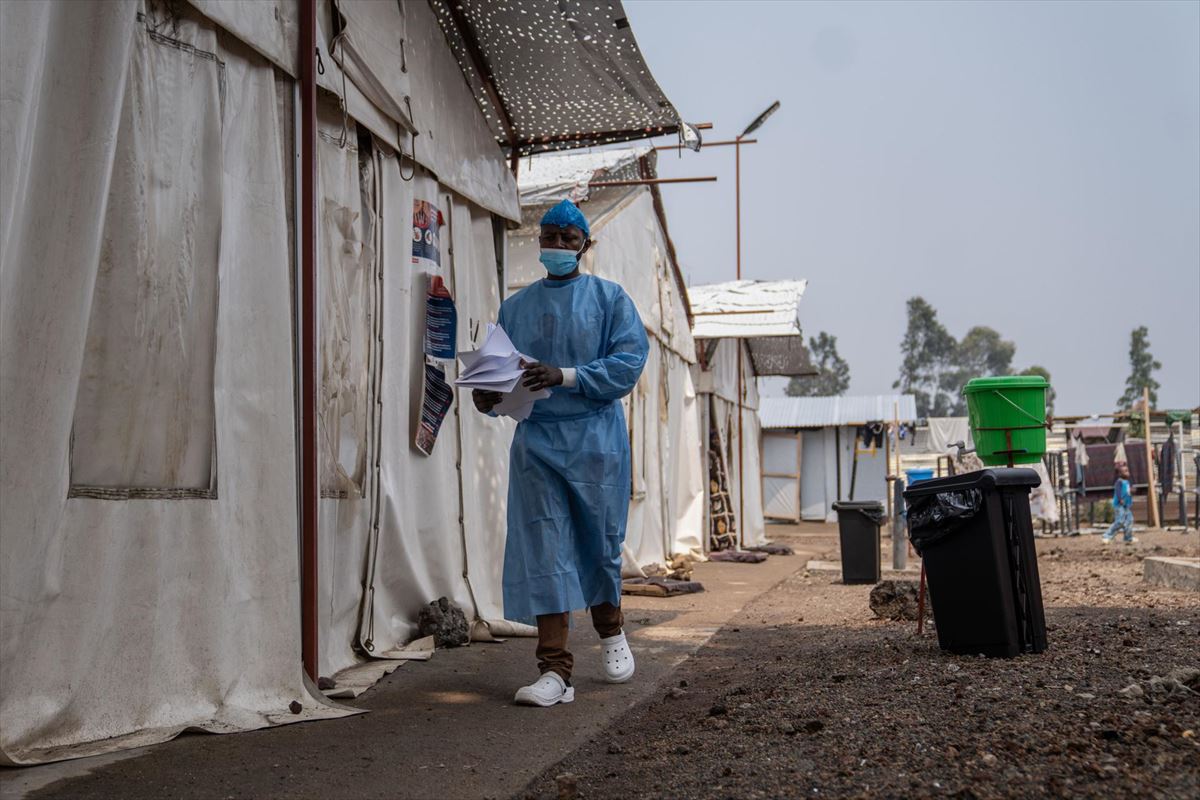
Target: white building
<point>820,450</point>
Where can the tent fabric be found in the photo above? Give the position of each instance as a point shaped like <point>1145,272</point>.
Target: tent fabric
<point>371,48</point>
<point>423,527</point>
<point>177,612</point>
<point>568,73</point>
<point>271,27</point>
<point>455,142</point>
<point>720,381</point>
<point>764,313</point>
<point>400,77</point>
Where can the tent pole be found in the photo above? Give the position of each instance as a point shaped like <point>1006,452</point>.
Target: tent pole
<point>741,391</point>
<point>308,337</point>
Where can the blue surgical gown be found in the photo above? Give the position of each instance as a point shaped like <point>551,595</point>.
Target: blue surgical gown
<point>569,470</point>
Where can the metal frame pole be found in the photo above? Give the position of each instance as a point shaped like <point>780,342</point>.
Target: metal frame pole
<point>741,387</point>
<point>308,338</point>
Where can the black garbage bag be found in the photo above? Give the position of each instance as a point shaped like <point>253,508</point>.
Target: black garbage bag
<point>934,517</point>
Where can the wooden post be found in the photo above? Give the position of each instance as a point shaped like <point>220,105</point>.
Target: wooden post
<point>899,534</point>
<point>1155,522</point>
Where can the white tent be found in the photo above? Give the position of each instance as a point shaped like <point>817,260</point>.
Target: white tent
<point>148,264</point>
<point>666,512</point>
<point>745,330</point>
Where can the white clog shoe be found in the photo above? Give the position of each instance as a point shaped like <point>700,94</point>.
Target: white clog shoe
<point>617,657</point>
<point>545,691</point>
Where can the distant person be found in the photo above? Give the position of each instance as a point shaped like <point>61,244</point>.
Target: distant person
<point>569,467</point>
<point>1122,507</point>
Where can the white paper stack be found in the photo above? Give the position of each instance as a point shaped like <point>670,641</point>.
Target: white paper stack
<point>496,367</point>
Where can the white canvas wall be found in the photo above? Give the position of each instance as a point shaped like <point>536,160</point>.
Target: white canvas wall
<point>175,612</point>
<point>180,602</point>
<point>722,380</point>
<point>403,538</point>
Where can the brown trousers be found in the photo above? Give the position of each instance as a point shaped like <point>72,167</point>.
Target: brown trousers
<point>552,652</point>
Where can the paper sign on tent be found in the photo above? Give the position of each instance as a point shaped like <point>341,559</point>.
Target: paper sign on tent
<point>496,367</point>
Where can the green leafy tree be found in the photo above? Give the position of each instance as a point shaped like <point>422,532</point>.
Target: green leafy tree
<point>833,373</point>
<point>981,353</point>
<point>1141,373</point>
<point>1050,393</point>
<point>928,352</point>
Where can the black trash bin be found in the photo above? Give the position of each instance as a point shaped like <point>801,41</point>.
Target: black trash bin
<point>858,531</point>
<point>975,534</point>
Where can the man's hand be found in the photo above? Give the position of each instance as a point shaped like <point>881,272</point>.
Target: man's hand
<point>485,401</point>
<point>540,376</point>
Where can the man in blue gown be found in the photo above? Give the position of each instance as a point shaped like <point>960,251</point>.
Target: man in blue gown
<point>569,467</point>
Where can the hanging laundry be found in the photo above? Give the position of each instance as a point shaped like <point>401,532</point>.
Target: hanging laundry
<point>871,434</point>
<point>1166,464</point>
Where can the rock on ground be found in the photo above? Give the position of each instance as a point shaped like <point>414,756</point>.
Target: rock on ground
<point>445,622</point>
<point>897,600</point>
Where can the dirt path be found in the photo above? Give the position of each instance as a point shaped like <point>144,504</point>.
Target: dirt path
<point>804,694</point>
<point>438,730</point>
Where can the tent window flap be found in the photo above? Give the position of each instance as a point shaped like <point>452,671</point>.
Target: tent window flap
<point>144,423</point>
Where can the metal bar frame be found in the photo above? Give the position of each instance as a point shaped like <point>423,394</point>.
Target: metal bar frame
<point>309,489</point>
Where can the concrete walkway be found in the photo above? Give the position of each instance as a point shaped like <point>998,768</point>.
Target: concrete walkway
<point>445,728</point>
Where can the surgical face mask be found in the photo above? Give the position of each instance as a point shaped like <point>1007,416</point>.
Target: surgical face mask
<point>559,262</point>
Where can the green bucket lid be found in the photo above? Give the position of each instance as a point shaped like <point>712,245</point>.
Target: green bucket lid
<point>1005,382</point>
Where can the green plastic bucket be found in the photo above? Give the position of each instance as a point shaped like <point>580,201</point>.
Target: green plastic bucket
<point>1008,418</point>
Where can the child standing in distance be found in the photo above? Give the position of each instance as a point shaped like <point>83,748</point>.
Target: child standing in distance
<point>1122,507</point>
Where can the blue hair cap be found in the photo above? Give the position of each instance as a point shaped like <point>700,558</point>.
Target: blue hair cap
<point>567,213</point>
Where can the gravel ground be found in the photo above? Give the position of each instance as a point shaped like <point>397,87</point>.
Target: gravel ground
<point>804,694</point>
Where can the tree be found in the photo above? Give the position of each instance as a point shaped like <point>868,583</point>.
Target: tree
<point>1141,373</point>
<point>929,355</point>
<point>1050,393</point>
<point>982,352</point>
<point>833,373</point>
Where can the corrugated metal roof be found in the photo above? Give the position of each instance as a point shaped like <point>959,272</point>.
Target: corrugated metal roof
<point>747,309</point>
<point>821,412</point>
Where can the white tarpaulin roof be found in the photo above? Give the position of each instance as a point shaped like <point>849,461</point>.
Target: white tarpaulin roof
<point>822,412</point>
<point>550,75</point>
<point>746,309</point>
<point>551,177</point>
<point>766,313</point>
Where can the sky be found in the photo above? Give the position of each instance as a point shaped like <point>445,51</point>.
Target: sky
<point>1033,167</point>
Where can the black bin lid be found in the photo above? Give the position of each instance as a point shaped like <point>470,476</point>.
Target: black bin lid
<point>980,479</point>
<point>858,505</point>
